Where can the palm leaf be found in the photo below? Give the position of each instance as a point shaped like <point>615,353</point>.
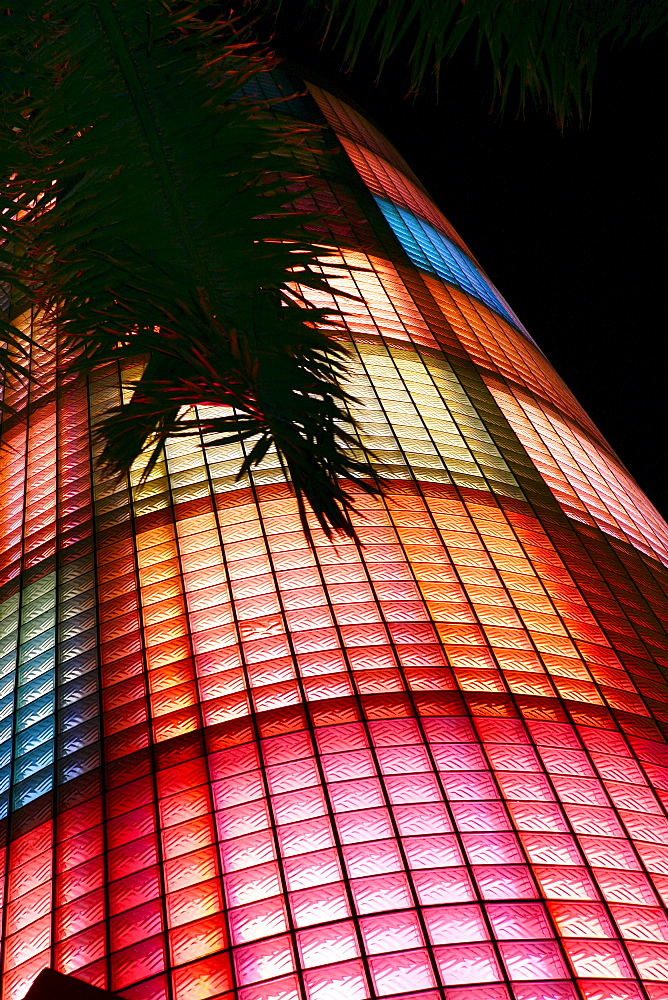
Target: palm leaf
<point>154,217</point>
<point>544,50</point>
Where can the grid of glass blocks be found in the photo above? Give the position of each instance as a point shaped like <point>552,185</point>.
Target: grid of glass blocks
<point>429,250</point>
<point>243,764</point>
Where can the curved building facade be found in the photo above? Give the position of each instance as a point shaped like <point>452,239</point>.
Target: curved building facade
<point>428,766</point>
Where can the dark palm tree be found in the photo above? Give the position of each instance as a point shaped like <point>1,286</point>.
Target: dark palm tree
<point>153,212</point>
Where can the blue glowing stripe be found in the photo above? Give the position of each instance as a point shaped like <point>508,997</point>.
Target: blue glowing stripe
<point>432,251</point>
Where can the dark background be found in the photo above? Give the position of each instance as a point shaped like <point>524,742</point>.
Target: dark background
<point>570,226</point>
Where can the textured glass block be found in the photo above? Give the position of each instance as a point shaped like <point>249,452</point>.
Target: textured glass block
<point>320,946</point>
<point>203,979</point>
<point>599,959</point>
<point>492,848</point>
<point>403,971</point>
<point>391,932</point>
<point>137,962</point>
<point>455,924</point>
<point>597,989</point>
<point>520,921</point>
<point>529,960</point>
<point>651,960</point>
<point>192,902</point>
<point>500,882</point>
<point>381,892</point>
<point>136,925</point>
<point>344,979</point>
<point>316,868</point>
<point>433,851</point>
<point>285,988</point>
<point>313,906</point>
<point>467,963</point>
<point>546,991</point>
<point>197,939</point>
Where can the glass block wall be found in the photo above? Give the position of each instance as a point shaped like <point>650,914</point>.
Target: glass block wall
<point>428,766</point>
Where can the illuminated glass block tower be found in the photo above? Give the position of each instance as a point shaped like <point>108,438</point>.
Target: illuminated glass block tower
<point>429,767</point>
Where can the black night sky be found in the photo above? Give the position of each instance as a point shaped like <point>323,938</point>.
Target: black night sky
<point>569,227</point>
